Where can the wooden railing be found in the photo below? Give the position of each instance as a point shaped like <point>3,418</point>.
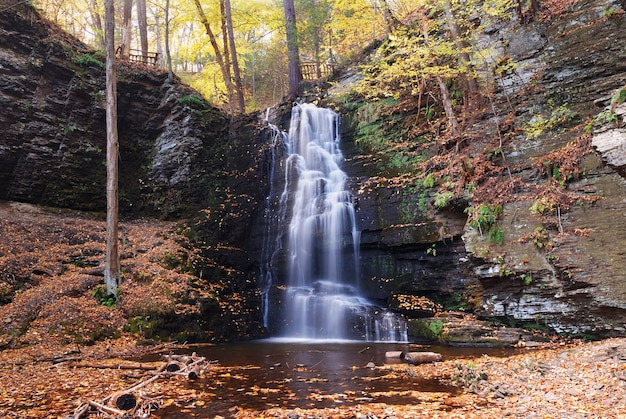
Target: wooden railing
<point>135,55</point>
<point>313,71</point>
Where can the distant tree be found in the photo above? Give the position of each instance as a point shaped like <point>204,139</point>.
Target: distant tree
<point>219,55</point>
<point>142,24</point>
<point>112,270</point>
<point>446,100</point>
<point>391,22</point>
<point>126,28</point>
<point>233,53</point>
<point>168,55</point>
<point>313,16</point>
<point>463,50</point>
<point>534,8</point>
<point>293,54</point>
<point>96,19</point>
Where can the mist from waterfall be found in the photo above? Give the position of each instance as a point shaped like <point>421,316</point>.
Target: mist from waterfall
<point>321,296</point>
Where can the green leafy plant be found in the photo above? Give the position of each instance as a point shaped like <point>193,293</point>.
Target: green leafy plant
<point>95,59</point>
<point>442,199</point>
<point>611,12</point>
<point>607,116</point>
<point>559,116</point>
<point>197,104</point>
<point>69,128</point>
<point>142,325</point>
<point>505,270</point>
<point>484,219</point>
<point>543,206</point>
<point>435,327</point>
<point>618,97</point>
<point>429,181</point>
<point>540,238</point>
<point>428,329</point>
<point>103,297</point>
<point>456,302</point>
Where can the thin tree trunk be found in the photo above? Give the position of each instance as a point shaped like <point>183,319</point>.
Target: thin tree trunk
<point>293,55</point>
<point>316,49</point>
<point>534,5</point>
<point>445,93</point>
<point>168,55</point>
<point>128,12</point>
<point>112,260</point>
<point>159,40</point>
<point>142,23</point>
<point>518,10</point>
<point>390,20</point>
<point>235,61</point>
<point>461,45</point>
<point>216,48</point>
<point>447,106</point>
<point>96,18</point>
<point>231,94</point>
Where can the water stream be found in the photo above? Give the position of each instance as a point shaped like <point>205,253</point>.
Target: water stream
<point>284,374</point>
<point>313,224</point>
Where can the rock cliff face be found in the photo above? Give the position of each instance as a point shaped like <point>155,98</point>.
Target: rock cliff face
<point>53,144</point>
<point>571,282</point>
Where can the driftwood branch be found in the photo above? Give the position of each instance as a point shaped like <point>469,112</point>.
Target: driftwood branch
<point>106,409</point>
<point>119,366</point>
<point>127,401</point>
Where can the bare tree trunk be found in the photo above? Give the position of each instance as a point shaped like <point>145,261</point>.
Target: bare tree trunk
<point>293,55</point>
<point>216,49</point>
<point>316,50</point>
<point>447,106</point>
<point>518,10</point>
<point>112,260</point>
<point>142,23</point>
<point>168,55</point>
<point>231,93</point>
<point>390,20</point>
<point>534,5</point>
<point>96,19</point>
<point>445,93</point>
<point>461,45</point>
<point>159,39</point>
<point>233,53</point>
<point>128,12</point>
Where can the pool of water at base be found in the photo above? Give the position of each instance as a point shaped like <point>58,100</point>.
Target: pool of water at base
<point>308,374</point>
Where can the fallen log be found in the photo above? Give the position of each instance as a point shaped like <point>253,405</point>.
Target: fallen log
<point>420,357</point>
<point>393,354</point>
<point>124,400</point>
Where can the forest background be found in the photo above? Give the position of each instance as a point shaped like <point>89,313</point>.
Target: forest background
<point>235,52</point>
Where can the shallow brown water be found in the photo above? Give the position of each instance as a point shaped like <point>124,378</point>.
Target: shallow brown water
<point>267,374</point>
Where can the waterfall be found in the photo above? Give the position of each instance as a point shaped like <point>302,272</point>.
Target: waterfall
<point>274,215</point>
<point>321,297</point>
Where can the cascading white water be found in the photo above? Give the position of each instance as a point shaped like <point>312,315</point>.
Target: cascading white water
<point>321,295</point>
